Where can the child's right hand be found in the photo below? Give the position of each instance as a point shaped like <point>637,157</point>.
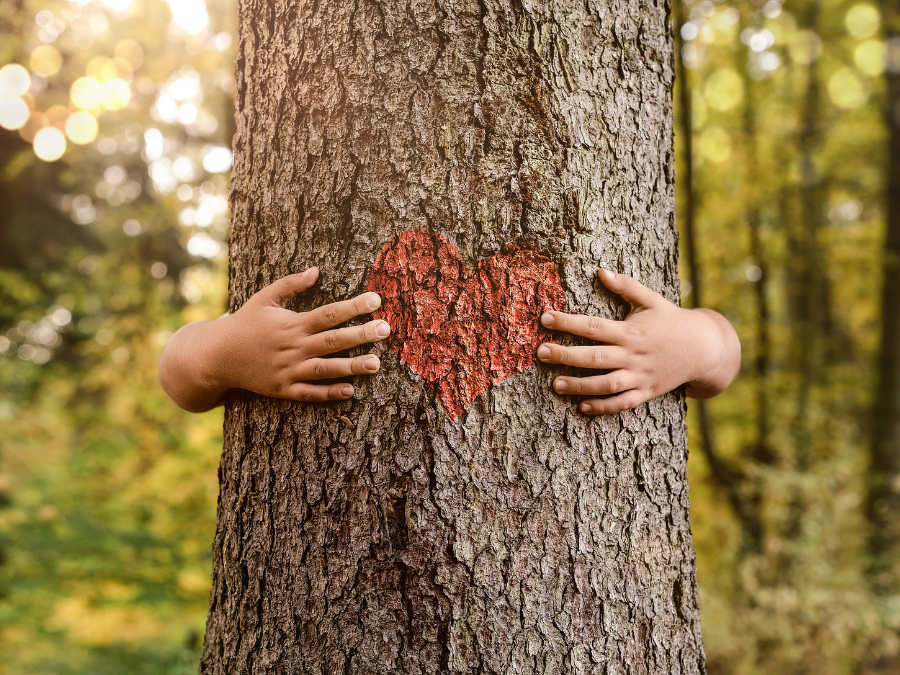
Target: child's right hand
<point>270,350</point>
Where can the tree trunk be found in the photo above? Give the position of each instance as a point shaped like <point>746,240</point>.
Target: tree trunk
<point>884,472</point>
<point>473,163</point>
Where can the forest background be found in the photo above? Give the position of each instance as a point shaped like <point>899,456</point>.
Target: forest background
<point>114,165</point>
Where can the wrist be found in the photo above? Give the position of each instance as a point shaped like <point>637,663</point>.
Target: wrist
<point>711,357</point>
<point>210,350</point>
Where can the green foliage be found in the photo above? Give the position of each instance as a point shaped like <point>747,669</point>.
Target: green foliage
<point>108,490</point>
<point>789,139</point>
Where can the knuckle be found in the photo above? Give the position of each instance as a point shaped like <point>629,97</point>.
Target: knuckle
<point>320,370</point>
<point>595,359</point>
<point>613,386</point>
<point>332,341</point>
<point>330,313</point>
<point>593,326</point>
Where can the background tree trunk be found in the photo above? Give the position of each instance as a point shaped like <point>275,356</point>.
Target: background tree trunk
<point>883,505</point>
<point>382,534</point>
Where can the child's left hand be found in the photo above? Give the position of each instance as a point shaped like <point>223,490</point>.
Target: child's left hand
<point>658,347</point>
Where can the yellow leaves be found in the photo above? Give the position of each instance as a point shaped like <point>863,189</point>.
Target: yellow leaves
<point>90,625</point>
<point>724,89</point>
<point>805,47</point>
<point>194,582</point>
<point>714,144</point>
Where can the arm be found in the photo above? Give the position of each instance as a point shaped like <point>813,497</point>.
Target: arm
<point>270,350</point>
<point>658,347</point>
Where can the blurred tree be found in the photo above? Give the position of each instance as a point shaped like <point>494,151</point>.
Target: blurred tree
<point>884,472</point>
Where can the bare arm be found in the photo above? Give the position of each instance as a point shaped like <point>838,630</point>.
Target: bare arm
<point>658,347</point>
<point>270,350</point>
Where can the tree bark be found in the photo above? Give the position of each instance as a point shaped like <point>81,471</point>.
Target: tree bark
<point>423,527</point>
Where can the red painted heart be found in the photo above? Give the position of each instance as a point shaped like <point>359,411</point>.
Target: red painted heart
<point>463,332</point>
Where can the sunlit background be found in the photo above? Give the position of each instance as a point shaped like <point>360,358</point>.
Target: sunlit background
<point>115,155</point>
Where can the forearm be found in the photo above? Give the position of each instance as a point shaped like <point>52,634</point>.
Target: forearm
<point>185,368</point>
<point>721,357</point>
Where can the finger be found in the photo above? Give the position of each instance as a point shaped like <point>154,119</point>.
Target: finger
<point>613,404</point>
<point>332,341</point>
<point>593,327</point>
<point>596,385</point>
<point>323,369</point>
<point>314,393</point>
<point>279,292</point>
<point>584,357</point>
<point>329,316</point>
<point>631,290</point>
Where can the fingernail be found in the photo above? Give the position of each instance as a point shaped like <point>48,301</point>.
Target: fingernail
<point>374,301</point>
<point>609,275</point>
<point>547,319</point>
<point>585,407</point>
<point>561,385</point>
<point>383,329</point>
<point>371,364</point>
<point>347,391</point>
<point>543,352</point>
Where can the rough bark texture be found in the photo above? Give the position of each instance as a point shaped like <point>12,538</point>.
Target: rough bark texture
<point>519,536</point>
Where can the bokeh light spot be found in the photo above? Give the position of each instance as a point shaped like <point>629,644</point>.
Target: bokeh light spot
<point>189,15</point>
<point>846,89</point>
<point>217,159</point>
<point>724,89</point>
<point>14,80</point>
<point>46,60</point>
<point>86,93</point>
<point>95,68</point>
<point>49,144</point>
<point>13,113</point>
<point>115,94</point>
<point>131,51</point>
<point>862,20</point>
<point>81,127</point>
<point>870,57</point>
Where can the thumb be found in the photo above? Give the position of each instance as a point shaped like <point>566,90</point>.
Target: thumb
<point>631,290</point>
<point>279,292</point>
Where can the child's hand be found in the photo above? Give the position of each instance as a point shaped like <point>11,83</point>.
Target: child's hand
<point>270,350</point>
<point>657,348</point>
